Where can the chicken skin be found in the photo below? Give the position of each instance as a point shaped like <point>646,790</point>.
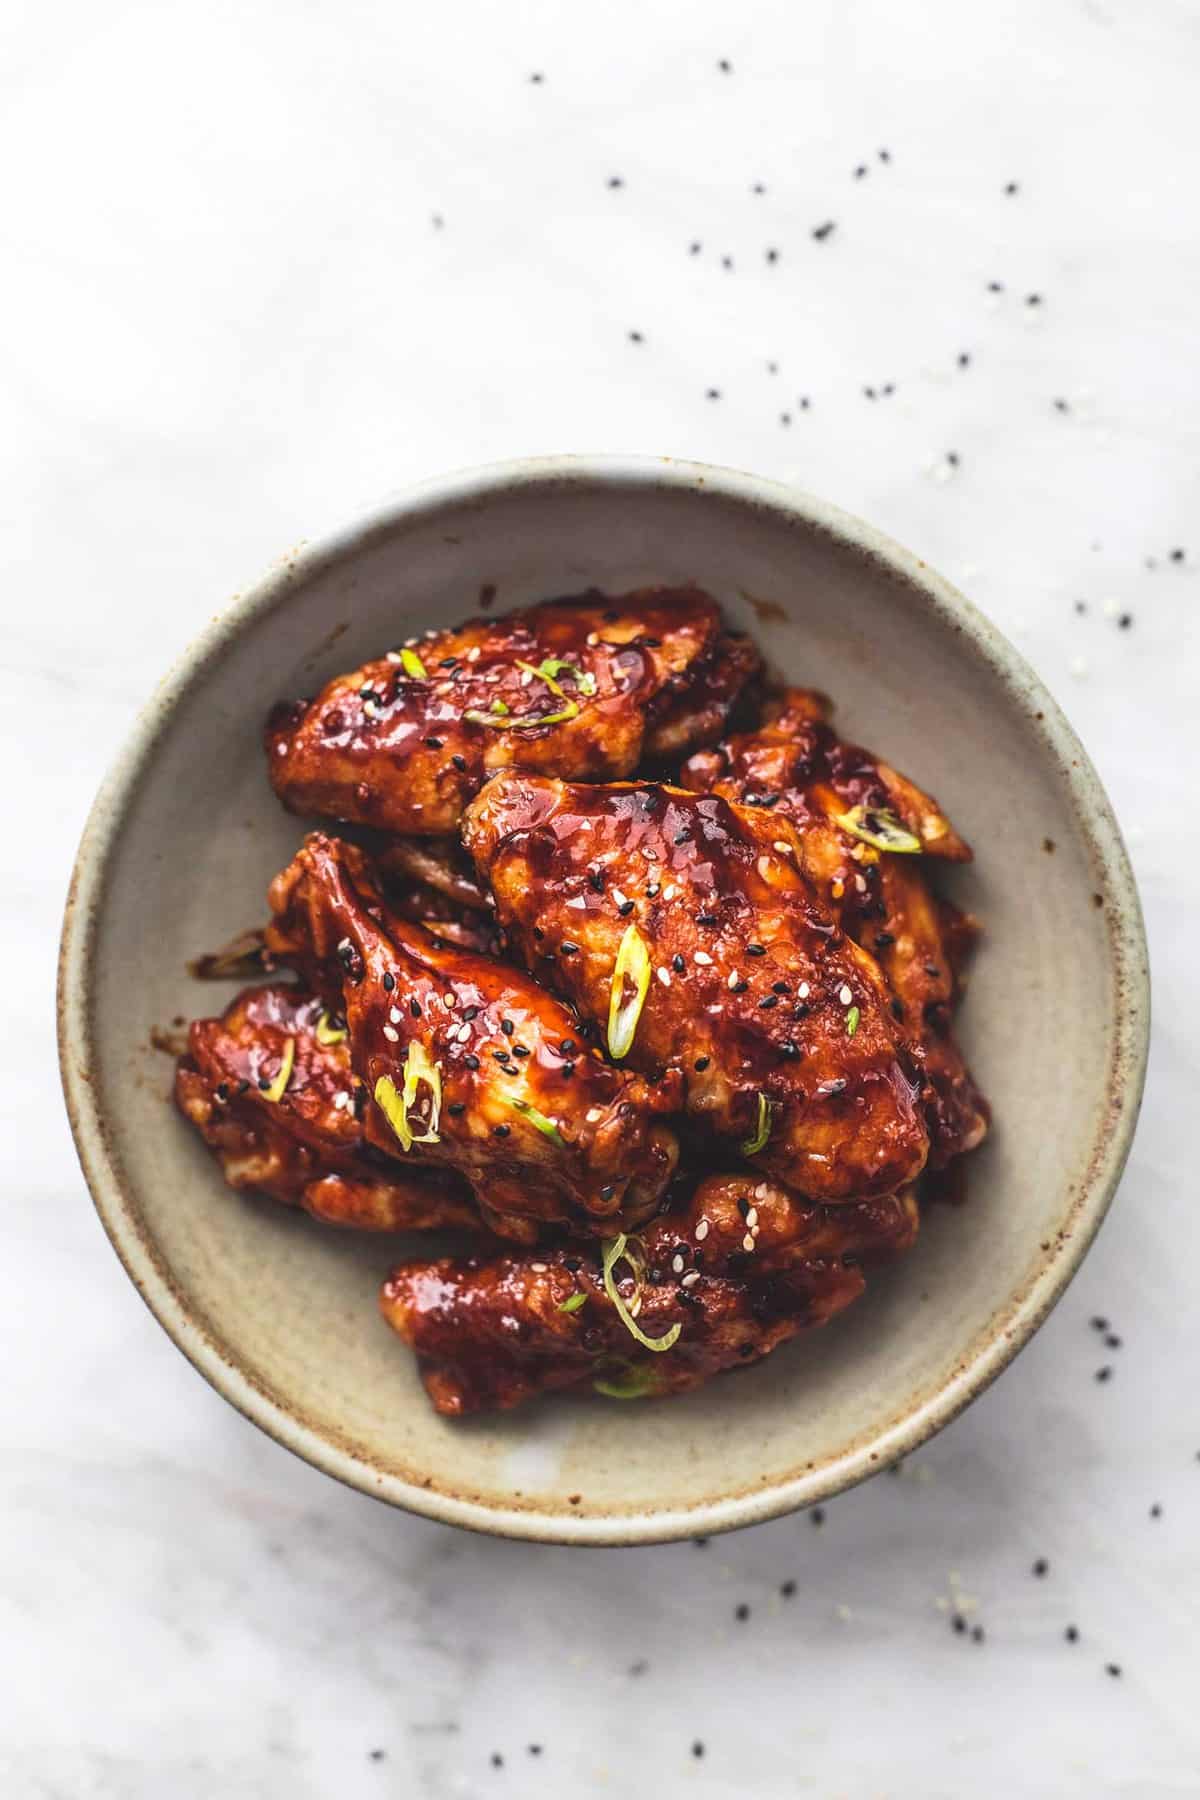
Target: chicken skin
<point>471,1066</point>
<point>736,976</point>
<point>582,688</point>
<point>738,1268</point>
<point>798,767</point>
<point>287,1122</point>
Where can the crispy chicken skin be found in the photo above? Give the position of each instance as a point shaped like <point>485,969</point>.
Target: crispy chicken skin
<point>490,1331</point>
<point>514,1100</point>
<point>307,1147</point>
<point>797,766</point>
<point>579,687</point>
<point>771,1016</point>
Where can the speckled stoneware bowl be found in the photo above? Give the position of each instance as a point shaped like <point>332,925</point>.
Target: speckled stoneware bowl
<point>280,1313</point>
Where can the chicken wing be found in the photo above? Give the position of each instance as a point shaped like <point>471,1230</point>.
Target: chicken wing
<point>738,1269</point>
<point>471,1065</point>
<point>797,766</point>
<point>575,686</point>
<point>270,1089</point>
<point>732,969</point>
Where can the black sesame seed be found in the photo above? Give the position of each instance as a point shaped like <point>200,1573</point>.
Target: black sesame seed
<point>697,1748</point>
<point>596,880</point>
<point>678,964</point>
<point>977,1634</point>
<point>1011,187</point>
<point>615,181</point>
<point>360,1102</point>
<point>242,1086</point>
<point>389,981</point>
<point>568,1069</point>
<point>789,1049</point>
<point>821,232</point>
<point>767,1002</point>
<point>568,949</point>
<point>497,1760</point>
<point>1177,556</point>
<point>959,1623</point>
<point>741,1612</point>
<point>1156,1511</point>
<point>700,1064</point>
<point>739,987</point>
<point>500,1056</point>
<point>817,1515</point>
<point>222,1090</point>
<point>507,1027</point>
<point>755,950</point>
<point>1072,1634</point>
<point>501,1131</point>
<point>607,1192</point>
<point>635,337</point>
<point>883,939</point>
<point>1104,1374</point>
<point>456,1107</point>
<point>414,1007</point>
<point>1113,1341</point>
<point>1098,1323</point>
<point>433,743</point>
<point>1041,1566</point>
<point>471,1062</point>
<point>706,918</point>
<point>964,359</point>
<point>780,987</point>
<point>1113,1669</point>
<point>460,762</point>
<point>625,908</point>
<point>535,1749</point>
<point>787,1589</point>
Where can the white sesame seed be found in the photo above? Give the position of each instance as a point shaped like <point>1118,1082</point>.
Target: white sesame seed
<point>755,1229</point>
<point>702,957</point>
<point>748,1241</point>
<point>733,979</point>
<point>341,1100</point>
<point>473,654</point>
<point>539,1268</point>
<point>593,638</point>
<point>593,1113</point>
<point>526,678</point>
<point>281,749</point>
<point>860,882</point>
<point>394,656</point>
<point>395,1015</point>
<point>691,1278</point>
<point>752,1218</point>
<point>463,1032</point>
<point>844,995</point>
<point>670,891</point>
<point>762,1191</point>
<point>577,904</point>
<point>370,708</point>
<point>701,1231</point>
<point>803,991</point>
<point>650,856</point>
<point>618,896</point>
<point>783,849</point>
<point>677,1264</point>
<point>410,642</point>
<point>391,1034</point>
<point>450,1000</point>
<point>664,975</point>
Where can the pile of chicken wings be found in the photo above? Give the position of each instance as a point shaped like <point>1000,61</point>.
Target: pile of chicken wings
<point>613,962</point>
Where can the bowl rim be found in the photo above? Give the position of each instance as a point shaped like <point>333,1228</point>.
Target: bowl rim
<point>917,1419</point>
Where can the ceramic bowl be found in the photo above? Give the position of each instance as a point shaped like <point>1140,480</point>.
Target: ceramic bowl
<point>280,1313</point>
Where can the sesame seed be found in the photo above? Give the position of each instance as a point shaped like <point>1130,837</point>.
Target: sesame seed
<point>664,975</point>
<point>748,1241</point>
<point>755,950</point>
<point>391,1034</point>
<point>1041,1567</point>
<point>500,1131</point>
<point>783,849</point>
<point>844,995</point>
<point>752,1217</point>
<point>389,981</point>
<point>690,1279</point>
<point>700,1064</point>
<point>539,1268</point>
<point>701,1230</point>
<point>741,1612</point>
<point>702,957</point>
<point>677,1264</point>
<point>678,964</point>
<point>733,980</point>
<point>802,992</point>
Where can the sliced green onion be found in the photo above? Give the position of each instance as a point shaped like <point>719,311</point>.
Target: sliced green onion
<point>762,1130</point>
<point>852,1018</point>
<point>326,1033</point>
<point>879,826</point>
<point>631,1384</point>
<point>504,720</point>
<point>284,1073</point>
<point>551,667</point>
<point>633,965</point>
<point>613,1250</point>
<point>540,1122</point>
<point>418,1069</point>
<point>573,1304</point>
<point>412,665</point>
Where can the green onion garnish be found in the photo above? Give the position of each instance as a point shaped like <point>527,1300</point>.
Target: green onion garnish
<point>540,1122</point>
<point>502,719</point>
<point>573,1304</point>
<point>412,665</point>
<point>762,1130</point>
<point>613,1250</point>
<point>417,1070</point>
<point>283,1074</point>
<point>852,1018</point>
<point>631,1384</point>
<point>879,826</point>
<point>327,1033</point>
<point>632,965</point>
<point>551,667</point>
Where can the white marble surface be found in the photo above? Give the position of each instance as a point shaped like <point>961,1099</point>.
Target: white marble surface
<point>229,317</point>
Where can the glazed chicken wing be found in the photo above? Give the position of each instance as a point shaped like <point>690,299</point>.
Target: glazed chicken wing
<point>732,969</point>
<point>796,766</point>
<point>472,1067</point>
<point>270,1089</point>
<point>580,687</point>
<point>738,1269</point>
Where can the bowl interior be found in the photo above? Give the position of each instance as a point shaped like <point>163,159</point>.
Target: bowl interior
<point>282,1313</point>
